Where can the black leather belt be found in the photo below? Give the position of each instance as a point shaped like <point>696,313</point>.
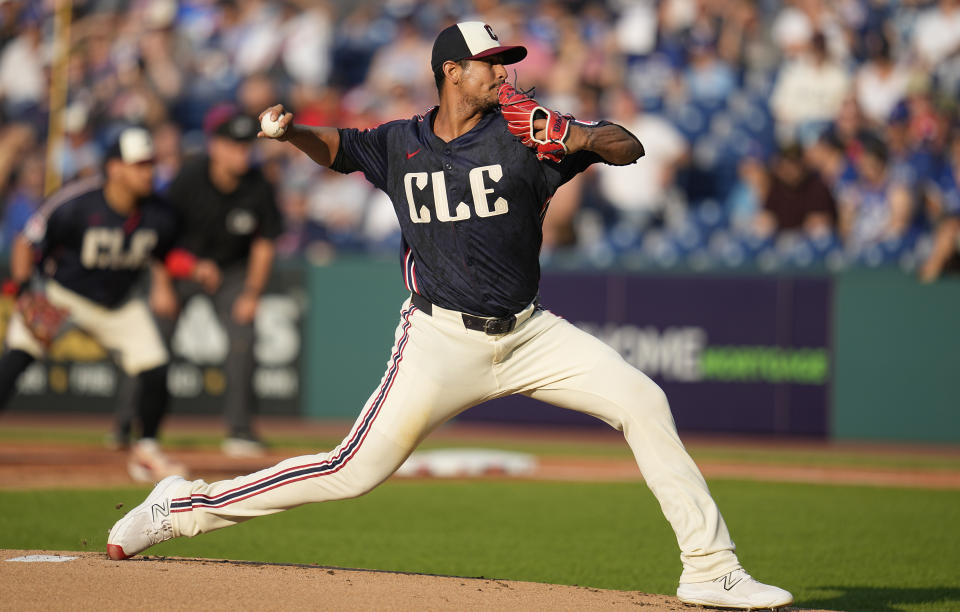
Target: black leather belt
<point>488,325</point>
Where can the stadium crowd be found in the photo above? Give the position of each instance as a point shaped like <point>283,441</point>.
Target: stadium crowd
<point>779,133</point>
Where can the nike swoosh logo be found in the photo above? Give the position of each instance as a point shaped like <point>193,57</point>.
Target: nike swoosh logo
<point>409,155</point>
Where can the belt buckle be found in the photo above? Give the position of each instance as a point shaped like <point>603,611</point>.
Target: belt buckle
<point>496,327</point>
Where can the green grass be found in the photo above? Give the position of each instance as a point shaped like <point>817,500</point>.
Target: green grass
<point>849,548</point>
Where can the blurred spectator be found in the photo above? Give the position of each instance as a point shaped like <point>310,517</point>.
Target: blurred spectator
<point>936,34</point>
<point>636,27</point>
<point>942,190</point>
<point>337,202</point>
<point>944,197</point>
<point>945,253</point>
<point>258,36</point>
<point>798,199</point>
<point>744,38</point>
<point>874,208</point>
<point>709,79</point>
<point>17,141</point>
<point>78,155</point>
<point>799,22</point>
<point>26,197</point>
<point>357,38</point>
<point>828,156</point>
<point>22,80</point>
<point>302,235</point>
<point>880,82</point>
<point>808,93</point>
<point>911,162</point>
<point>401,63</point>
<point>307,40</point>
<point>168,151</point>
<point>162,61</point>
<point>746,199</point>
<point>639,192</point>
<point>559,222</point>
<point>944,202</point>
<point>256,92</point>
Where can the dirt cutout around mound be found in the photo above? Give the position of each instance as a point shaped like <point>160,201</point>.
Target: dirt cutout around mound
<point>91,581</point>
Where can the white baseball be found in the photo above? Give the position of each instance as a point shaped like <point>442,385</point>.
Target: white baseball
<point>271,128</point>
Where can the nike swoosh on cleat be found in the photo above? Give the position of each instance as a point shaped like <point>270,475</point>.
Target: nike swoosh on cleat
<point>409,155</point>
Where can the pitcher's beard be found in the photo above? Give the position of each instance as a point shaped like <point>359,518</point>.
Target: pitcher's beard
<point>481,104</point>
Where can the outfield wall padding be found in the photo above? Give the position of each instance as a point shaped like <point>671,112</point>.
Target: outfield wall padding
<point>893,346</point>
<point>897,363</point>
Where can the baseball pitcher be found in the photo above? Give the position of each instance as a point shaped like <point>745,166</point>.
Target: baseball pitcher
<point>470,181</point>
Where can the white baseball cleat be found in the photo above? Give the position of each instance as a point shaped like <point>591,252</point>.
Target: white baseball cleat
<point>146,525</point>
<point>147,463</point>
<point>734,590</point>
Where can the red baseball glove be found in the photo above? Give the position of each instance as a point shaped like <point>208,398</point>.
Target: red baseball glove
<point>43,319</point>
<point>521,111</point>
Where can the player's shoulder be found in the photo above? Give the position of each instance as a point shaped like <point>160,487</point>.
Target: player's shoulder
<point>83,192</point>
<point>65,205</point>
<point>395,125</point>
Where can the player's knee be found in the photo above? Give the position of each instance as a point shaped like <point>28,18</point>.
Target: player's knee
<point>648,398</point>
<point>345,484</point>
<point>657,401</point>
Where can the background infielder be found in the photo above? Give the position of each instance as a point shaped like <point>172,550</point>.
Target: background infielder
<point>470,190</point>
<point>93,240</point>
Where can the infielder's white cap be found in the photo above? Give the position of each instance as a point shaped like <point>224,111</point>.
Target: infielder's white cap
<point>472,40</point>
<point>133,146</point>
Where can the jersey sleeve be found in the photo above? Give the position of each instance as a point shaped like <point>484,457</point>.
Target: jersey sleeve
<point>364,150</point>
<point>48,226</point>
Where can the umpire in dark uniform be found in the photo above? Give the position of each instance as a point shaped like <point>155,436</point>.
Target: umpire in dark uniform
<point>229,220</point>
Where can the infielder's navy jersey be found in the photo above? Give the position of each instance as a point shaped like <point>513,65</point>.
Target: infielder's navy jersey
<point>470,210</point>
<point>93,250</point>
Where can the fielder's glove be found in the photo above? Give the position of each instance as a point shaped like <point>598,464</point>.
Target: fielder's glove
<point>521,111</point>
<point>43,319</point>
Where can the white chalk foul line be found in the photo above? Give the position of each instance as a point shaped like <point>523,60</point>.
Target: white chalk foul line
<point>42,559</point>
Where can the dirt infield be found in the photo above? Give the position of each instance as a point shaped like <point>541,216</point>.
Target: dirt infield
<point>91,581</point>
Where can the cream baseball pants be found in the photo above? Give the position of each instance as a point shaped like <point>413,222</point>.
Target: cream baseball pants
<point>437,369</point>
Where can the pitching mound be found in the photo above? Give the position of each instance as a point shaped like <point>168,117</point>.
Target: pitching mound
<point>46,580</point>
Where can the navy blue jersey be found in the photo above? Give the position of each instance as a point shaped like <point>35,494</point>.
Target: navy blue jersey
<point>471,210</point>
<point>93,250</point>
